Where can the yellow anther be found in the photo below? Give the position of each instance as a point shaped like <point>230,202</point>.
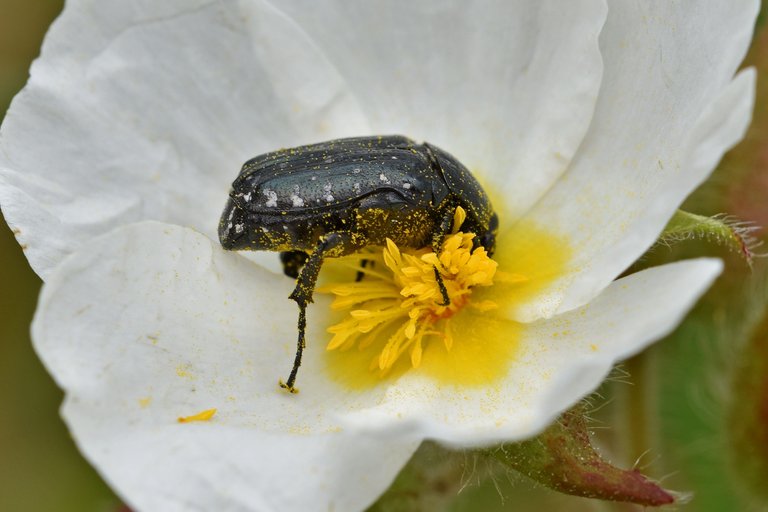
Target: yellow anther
<point>459,216</point>
<point>406,303</point>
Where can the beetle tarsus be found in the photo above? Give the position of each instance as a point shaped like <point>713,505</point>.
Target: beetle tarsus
<point>300,345</point>
<point>443,289</point>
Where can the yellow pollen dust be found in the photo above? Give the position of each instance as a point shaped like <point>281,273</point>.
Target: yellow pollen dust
<point>399,305</point>
<point>201,416</point>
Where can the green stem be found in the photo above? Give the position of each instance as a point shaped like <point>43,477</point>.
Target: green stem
<point>430,481</point>
<point>641,408</point>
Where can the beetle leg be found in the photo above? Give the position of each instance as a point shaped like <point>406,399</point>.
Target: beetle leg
<point>292,262</point>
<point>360,274</point>
<point>329,245</point>
<point>476,243</point>
<point>446,223</point>
<point>443,289</point>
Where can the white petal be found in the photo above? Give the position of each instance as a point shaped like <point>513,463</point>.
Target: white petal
<point>508,87</point>
<point>157,464</point>
<point>667,84</point>
<point>562,360</point>
<point>148,111</point>
<point>152,322</point>
<point>137,339</point>
<point>722,124</point>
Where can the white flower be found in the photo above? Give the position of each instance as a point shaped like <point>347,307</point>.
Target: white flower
<point>590,130</point>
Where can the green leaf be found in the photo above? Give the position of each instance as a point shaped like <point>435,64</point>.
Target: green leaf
<point>721,229</point>
<point>563,459</point>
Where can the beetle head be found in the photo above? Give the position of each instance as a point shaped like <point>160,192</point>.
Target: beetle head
<point>243,229</point>
<point>232,226</point>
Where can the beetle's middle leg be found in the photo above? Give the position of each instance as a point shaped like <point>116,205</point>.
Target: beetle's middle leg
<point>446,223</point>
<point>292,262</point>
<point>329,245</point>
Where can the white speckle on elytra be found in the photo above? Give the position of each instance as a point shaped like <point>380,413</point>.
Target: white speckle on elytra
<point>238,228</point>
<point>356,188</point>
<point>247,197</point>
<point>383,178</point>
<point>328,196</point>
<point>394,158</point>
<point>296,198</point>
<point>355,171</point>
<point>231,214</point>
<point>313,178</point>
<point>271,198</point>
<point>285,227</point>
<point>406,185</point>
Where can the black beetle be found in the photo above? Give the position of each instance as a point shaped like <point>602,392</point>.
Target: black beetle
<point>337,197</point>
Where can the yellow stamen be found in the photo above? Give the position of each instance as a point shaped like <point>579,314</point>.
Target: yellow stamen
<point>407,304</point>
<point>459,216</point>
<point>201,416</point>
<point>392,322</point>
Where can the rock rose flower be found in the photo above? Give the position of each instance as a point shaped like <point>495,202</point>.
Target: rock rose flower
<point>587,123</point>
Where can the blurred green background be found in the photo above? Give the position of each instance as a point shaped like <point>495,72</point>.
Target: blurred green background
<point>696,412</point>
<point>40,468</point>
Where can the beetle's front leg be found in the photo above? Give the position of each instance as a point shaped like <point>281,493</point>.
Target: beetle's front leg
<point>329,245</point>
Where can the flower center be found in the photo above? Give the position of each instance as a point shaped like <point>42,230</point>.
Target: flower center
<point>399,302</point>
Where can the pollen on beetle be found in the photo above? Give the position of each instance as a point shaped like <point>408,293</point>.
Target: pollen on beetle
<point>398,306</point>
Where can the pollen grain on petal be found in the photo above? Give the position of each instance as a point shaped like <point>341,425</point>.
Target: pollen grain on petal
<point>205,415</point>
